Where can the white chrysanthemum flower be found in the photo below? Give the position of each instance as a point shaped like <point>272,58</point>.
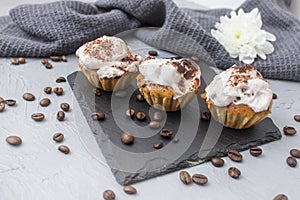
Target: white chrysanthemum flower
<point>242,36</point>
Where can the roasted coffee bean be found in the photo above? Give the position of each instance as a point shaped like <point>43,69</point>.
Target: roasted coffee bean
<point>38,116</point>
<point>98,116</point>
<point>234,172</point>
<point>127,138</point>
<point>289,130</point>
<point>10,102</point>
<point>2,106</point>
<point>297,118</point>
<point>64,149</point>
<point>65,107</point>
<point>140,97</point>
<point>45,102</point>
<point>63,58</point>
<point>28,97</point>
<point>14,61</point>
<point>152,53</point>
<point>109,195</point>
<point>120,94</point>
<point>274,96</point>
<point>14,140</point>
<point>185,177</point>
<point>292,162</point>
<point>295,153</point>
<point>141,116</point>
<point>129,189</point>
<point>157,116</point>
<point>217,162</point>
<point>44,61</point>
<point>55,58</point>
<point>255,151</point>
<point>130,113</point>
<point>154,125</point>
<point>58,137</point>
<point>58,91</point>
<point>281,197</point>
<point>158,145</point>
<point>21,60</point>
<point>235,156</point>
<point>165,133</point>
<point>48,90</point>
<point>60,116</point>
<point>97,91</point>
<point>1,100</point>
<point>199,179</point>
<point>205,116</point>
<point>48,65</point>
<point>60,79</point>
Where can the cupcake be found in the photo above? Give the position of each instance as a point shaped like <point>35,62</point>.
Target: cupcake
<point>108,63</point>
<point>239,97</point>
<point>168,84</point>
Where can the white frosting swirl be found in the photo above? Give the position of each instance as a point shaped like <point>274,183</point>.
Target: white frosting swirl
<point>240,85</point>
<point>182,75</point>
<point>110,56</point>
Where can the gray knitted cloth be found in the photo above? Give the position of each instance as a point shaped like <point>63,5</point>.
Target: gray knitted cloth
<point>61,27</point>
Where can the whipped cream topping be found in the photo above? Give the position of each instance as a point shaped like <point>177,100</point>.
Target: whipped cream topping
<point>110,56</point>
<point>182,75</point>
<point>240,85</point>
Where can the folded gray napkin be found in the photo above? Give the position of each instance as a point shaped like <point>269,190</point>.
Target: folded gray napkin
<point>61,27</point>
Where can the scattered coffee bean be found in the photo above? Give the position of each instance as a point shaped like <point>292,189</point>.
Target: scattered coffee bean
<point>48,65</point>
<point>48,90</point>
<point>21,60</point>
<point>98,116</point>
<point>205,116</point>
<point>255,151</point>
<point>274,96</point>
<point>158,145</point>
<point>217,162</point>
<point>152,53</point>
<point>185,177</point>
<point>65,107</point>
<point>127,138</point>
<point>58,91</point>
<point>1,100</point>
<point>141,116</point>
<point>60,115</point>
<point>157,116</point>
<point>38,116</point>
<point>234,172</point>
<point>64,149</point>
<point>58,137</point>
<point>130,113</point>
<point>60,79</point>
<point>44,61</point>
<point>154,125</point>
<point>120,94</point>
<point>10,102</point>
<point>140,97</point>
<point>45,102</point>
<point>28,97</point>
<point>175,140</point>
<point>235,156</point>
<point>14,61</point>
<point>97,91</point>
<point>2,106</point>
<point>165,133</point>
<point>63,58</point>
<point>295,153</point>
<point>129,189</point>
<point>55,58</point>
<point>297,118</point>
<point>292,162</point>
<point>109,195</point>
<point>14,140</point>
<point>281,197</point>
<point>199,179</point>
<point>288,130</point>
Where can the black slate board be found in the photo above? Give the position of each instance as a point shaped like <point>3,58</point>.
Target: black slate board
<point>199,140</point>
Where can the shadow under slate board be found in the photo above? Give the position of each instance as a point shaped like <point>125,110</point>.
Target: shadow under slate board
<point>198,140</point>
